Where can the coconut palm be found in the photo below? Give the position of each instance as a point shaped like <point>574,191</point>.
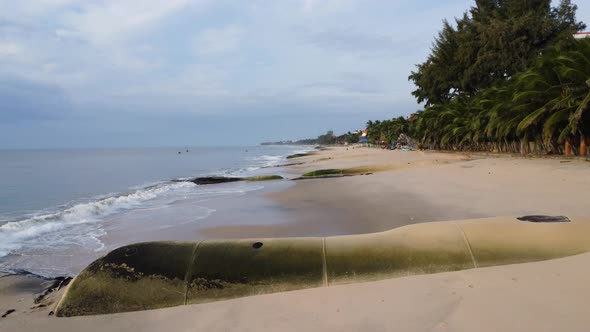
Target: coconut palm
<point>546,105</point>
<point>557,86</point>
<point>575,72</point>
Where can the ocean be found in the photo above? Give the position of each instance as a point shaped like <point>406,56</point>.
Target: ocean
<point>58,206</point>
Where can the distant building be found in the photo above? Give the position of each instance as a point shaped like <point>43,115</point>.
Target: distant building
<point>581,35</point>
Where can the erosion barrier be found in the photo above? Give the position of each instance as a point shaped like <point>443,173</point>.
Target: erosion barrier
<point>162,274</point>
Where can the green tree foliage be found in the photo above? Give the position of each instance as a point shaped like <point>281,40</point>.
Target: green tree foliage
<point>327,138</point>
<point>508,77</point>
<point>349,138</point>
<point>385,131</point>
<point>491,42</point>
<point>539,109</point>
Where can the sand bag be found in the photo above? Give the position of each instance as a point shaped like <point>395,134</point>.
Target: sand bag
<point>163,274</point>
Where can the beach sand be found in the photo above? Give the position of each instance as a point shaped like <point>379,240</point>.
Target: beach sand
<point>405,188</point>
<point>415,187</point>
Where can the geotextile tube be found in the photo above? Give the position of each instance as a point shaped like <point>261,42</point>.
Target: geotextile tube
<point>163,274</point>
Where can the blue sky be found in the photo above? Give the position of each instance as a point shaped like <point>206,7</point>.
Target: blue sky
<point>79,73</point>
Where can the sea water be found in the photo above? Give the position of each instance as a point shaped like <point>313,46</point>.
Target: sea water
<point>57,206</point>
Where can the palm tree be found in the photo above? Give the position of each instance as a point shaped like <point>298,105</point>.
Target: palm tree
<point>575,70</point>
<point>547,105</point>
<point>538,94</point>
<point>558,86</point>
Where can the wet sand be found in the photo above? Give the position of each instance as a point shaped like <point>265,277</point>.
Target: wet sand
<point>413,187</point>
<point>407,187</point>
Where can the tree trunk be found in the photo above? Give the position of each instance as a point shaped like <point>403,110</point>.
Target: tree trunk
<point>568,148</point>
<point>515,147</point>
<point>583,148</point>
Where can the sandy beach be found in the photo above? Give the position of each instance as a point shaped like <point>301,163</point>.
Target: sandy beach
<point>403,188</point>
<point>413,187</point>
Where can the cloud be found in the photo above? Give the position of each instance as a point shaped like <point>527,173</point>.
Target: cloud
<point>348,39</point>
<point>30,101</point>
<point>217,41</point>
<point>9,49</point>
<point>85,62</point>
<point>109,22</point>
<point>323,6</point>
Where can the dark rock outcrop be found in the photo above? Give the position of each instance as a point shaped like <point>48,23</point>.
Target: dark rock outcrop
<point>299,155</point>
<point>224,179</point>
<point>214,180</point>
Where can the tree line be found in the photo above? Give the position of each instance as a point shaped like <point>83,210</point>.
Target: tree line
<point>326,139</point>
<point>506,76</point>
<point>541,110</point>
<point>386,130</point>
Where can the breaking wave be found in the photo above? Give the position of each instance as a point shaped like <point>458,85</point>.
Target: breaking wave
<point>63,239</point>
<point>15,234</point>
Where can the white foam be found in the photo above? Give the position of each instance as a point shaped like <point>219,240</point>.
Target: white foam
<point>206,213</point>
<point>259,162</point>
<point>269,157</point>
<point>303,150</point>
<point>15,234</point>
<point>232,172</point>
<point>79,227</point>
<point>269,160</point>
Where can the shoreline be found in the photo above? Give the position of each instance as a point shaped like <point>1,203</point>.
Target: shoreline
<point>62,237</point>
<point>418,186</point>
<point>407,188</point>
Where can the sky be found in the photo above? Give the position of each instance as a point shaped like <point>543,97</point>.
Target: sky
<point>114,73</point>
